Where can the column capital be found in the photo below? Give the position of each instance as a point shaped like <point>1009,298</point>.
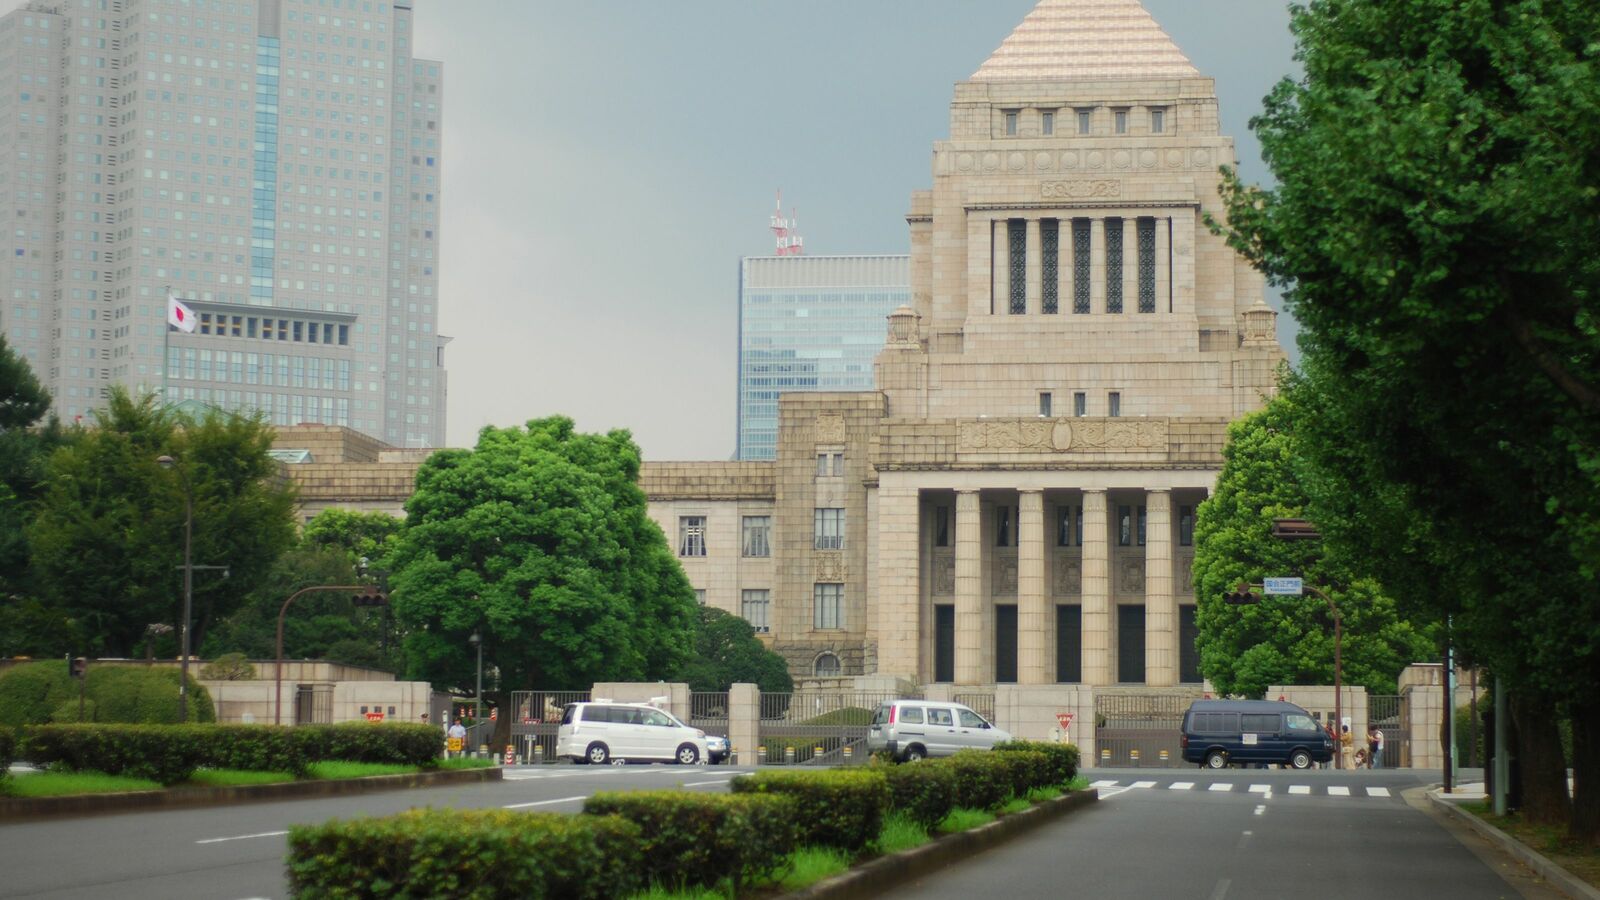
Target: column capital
<point>1039,491</point>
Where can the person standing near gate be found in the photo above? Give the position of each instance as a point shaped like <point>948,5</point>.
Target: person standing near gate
<point>1375,748</point>
<point>457,745</point>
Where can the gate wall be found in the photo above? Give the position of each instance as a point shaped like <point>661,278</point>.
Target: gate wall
<point>1387,713</point>
<point>535,719</point>
<point>1139,730</point>
<point>818,727</point>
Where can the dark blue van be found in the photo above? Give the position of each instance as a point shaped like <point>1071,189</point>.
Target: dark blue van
<point>1219,732</point>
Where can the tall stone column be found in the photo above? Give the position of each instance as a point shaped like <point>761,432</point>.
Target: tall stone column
<point>1032,666</point>
<point>1097,265</point>
<point>1160,608</point>
<point>1130,264</point>
<point>899,597</point>
<point>969,590</point>
<point>980,265</point>
<point>1035,291</point>
<point>1001,231</point>
<point>1096,590</point>
<point>1163,267</point>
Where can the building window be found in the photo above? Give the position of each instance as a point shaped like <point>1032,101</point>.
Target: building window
<point>757,530</point>
<point>1049,267</point>
<point>1065,517</point>
<point>1141,519</point>
<point>1147,265</point>
<point>1085,118</point>
<point>826,601</point>
<point>828,530</point>
<point>1114,404</point>
<point>1044,403</point>
<point>1011,123</point>
<point>1120,117</point>
<point>1185,526</point>
<point>1124,526</point>
<point>1017,240</point>
<point>1005,525</point>
<point>755,604</point>
<point>827,666</point>
<point>1113,265</point>
<point>700,596</point>
<point>1081,271</point>
<point>1080,403</point>
<point>1158,120</point>
<point>830,464</point>
<point>691,535</point>
<point>941,526</point>
<point>1047,122</point>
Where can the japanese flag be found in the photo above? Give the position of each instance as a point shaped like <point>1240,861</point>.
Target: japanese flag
<point>179,316</point>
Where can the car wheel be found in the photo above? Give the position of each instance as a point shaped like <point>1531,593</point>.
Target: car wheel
<point>1216,759</point>
<point>598,753</point>
<point>1300,759</point>
<point>688,755</point>
<point>915,753</point>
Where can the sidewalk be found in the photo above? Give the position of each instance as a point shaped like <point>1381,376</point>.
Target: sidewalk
<point>1558,877</point>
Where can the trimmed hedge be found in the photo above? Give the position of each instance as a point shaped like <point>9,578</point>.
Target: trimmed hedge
<point>983,780</point>
<point>1027,769</point>
<point>700,839</point>
<point>1063,757</point>
<point>926,793</point>
<point>37,693</point>
<point>467,854</point>
<point>170,753</point>
<point>29,693</point>
<point>835,808</point>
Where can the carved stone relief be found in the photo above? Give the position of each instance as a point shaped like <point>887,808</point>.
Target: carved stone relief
<point>1130,575</point>
<point>1063,434</point>
<point>1005,575</point>
<point>830,429</point>
<point>1078,190</point>
<point>830,567</point>
<point>1069,576</point>
<point>944,573</point>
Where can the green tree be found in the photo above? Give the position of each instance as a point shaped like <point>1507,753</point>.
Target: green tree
<point>107,544</point>
<point>1433,226</point>
<point>28,627</point>
<point>538,538</point>
<point>726,652</point>
<point>1284,639</point>
<point>368,535</point>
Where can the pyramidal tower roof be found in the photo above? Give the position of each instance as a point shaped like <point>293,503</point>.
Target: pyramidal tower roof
<point>1086,40</point>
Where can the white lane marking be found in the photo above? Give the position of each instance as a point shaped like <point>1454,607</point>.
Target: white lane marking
<point>1220,788</point>
<point>1336,790</point>
<point>1221,890</point>
<point>542,802</point>
<point>1103,784</point>
<point>1377,792</point>
<point>1181,786</point>
<point>1260,788</point>
<point>1143,784</point>
<point>1244,839</point>
<point>242,837</point>
<point>704,783</point>
<point>1299,788</point>
<point>1260,810</point>
<point>1106,793</point>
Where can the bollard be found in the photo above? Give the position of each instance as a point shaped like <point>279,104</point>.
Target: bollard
<point>761,754</point>
<point>816,751</point>
<point>847,751</point>
<point>733,755</point>
<point>511,754</point>
<point>1105,755</point>
<point>538,752</point>
<point>788,755</point>
<point>1164,756</point>
<point>1135,755</point>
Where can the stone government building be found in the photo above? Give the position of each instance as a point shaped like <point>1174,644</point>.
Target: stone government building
<point>1015,502</point>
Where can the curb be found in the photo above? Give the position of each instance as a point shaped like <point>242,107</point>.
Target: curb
<point>1559,878</point>
<point>874,878</point>
<point>16,809</point>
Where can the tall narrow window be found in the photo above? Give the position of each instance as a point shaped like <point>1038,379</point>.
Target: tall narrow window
<point>1049,268</point>
<point>1130,644</point>
<point>1017,240</point>
<point>829,529</point>
<point>1011,123</point>
<point>1005,643</point>
<point>941,526</point>
<point>757,533</point>
<point>1114,404</point>
<point>1185,526</point>
<point>1081,271</point>
<point>826,600</point>
<point>1063,526</point>
<point>1120,118</point>
<point>1113,265</point>
<point>1188,653</point>
<point>1044,403</point>
<point>1158,120</point>
<point>1077,528</point>
<point>944,643</point>
<point>754,605</point>
<point>1080,403</point>
<point>1085,119</point>
<point>1004,526</point>
<point>1147,265</point>
<point>1141,518</point>
<point>1124,526</point>
<point>700,596</point>
<point>691,535</point>
<point>1069,643</point>
<point>1047,122</point>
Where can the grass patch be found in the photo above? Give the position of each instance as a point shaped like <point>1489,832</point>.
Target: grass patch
<point>1549,840</point>
<point>809,865</point>
<point>469,762</point>
<point>1015,805</point>
<point>962,819</point>
<point>1043,795</point>
<point>1078,783</point>
<point>63,784</point>
<point>332,769</point>
<point>901,832</point>
<point>660,893</point>
<point>236,777</point>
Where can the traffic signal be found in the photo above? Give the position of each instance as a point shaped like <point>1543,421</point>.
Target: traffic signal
<point>79,667</point>
<point>1241,596</point>
<point>371,597</point>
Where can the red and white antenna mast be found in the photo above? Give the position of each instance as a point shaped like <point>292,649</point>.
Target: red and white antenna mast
<point>790,243</point>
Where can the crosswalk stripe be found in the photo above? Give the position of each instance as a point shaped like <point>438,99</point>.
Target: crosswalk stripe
<point>1338,790</point>
<point>1299,788</point>
<point>1103,784</point>
<point>1144,784</point>
<point>1221,788</point>
<point>1260,788</point>
<point>1377,792</point>
<point>1181,786</point>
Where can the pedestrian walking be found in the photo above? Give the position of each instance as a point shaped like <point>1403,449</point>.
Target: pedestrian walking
<point>1346,745</point>
<point>1376,745</point>
<point>457,745</point>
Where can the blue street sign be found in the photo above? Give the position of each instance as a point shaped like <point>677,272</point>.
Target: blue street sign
<point>1288,586</point>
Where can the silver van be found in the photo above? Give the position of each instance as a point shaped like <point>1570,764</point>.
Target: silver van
<point>915,729</point>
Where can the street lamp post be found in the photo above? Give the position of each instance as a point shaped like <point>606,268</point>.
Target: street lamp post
<point>476,640</point>
<point>167,462</point>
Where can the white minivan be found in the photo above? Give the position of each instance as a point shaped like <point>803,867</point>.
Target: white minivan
<point>914,729</point>
<point>601,732</point>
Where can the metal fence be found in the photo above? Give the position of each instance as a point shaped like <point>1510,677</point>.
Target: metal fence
<point>1141,730</point>
<point>980,703</point>
<point>817,727</point>
<point>1388,713</point>
<point>708,711</point>
<point>535,719</point>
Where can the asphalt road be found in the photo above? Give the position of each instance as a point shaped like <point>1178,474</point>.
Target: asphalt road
<point>1238,835</point>
<point>238,851</point>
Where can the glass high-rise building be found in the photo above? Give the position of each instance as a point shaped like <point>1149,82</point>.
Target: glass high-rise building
<point>273,163</point>
<point>809,323</point>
